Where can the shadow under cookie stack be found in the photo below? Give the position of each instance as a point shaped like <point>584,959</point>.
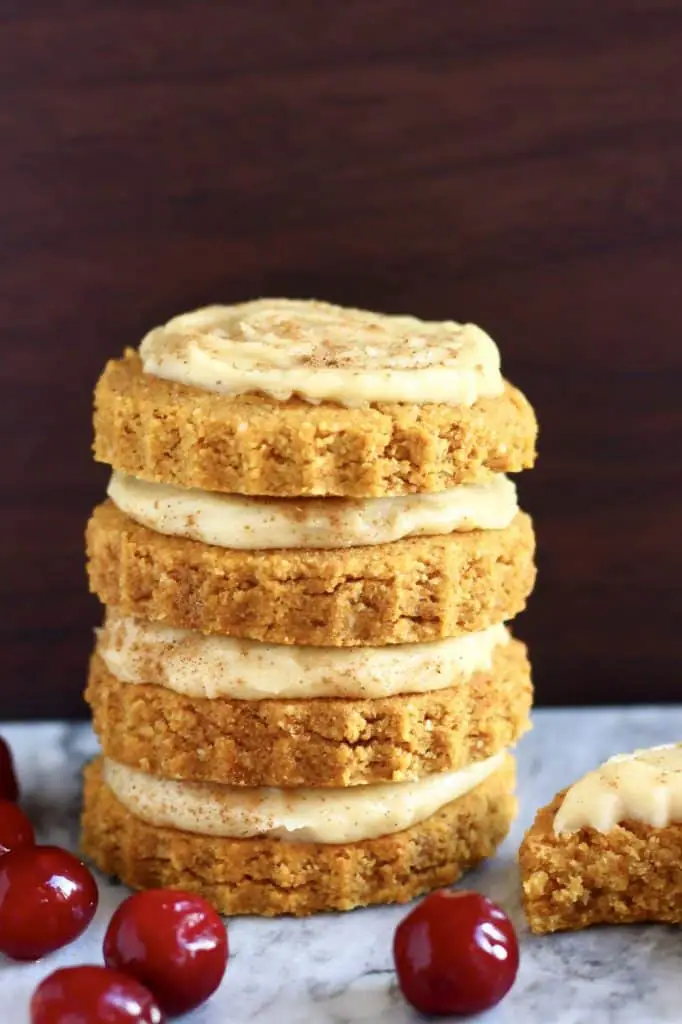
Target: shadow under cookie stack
<point>304,687</point>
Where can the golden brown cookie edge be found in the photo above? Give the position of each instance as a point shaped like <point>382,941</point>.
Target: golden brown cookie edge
<point>417,589</point>
<point>250,444</point>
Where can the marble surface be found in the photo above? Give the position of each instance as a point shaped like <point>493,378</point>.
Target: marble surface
<point>338,969</point>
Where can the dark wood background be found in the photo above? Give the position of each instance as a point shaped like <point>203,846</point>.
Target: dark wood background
<point>518,164</point>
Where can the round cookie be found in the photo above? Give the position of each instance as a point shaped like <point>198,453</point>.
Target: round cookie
<point>251,444</point>
<point>315,743</point>
<point>421,588</point>
<point>270,876</point>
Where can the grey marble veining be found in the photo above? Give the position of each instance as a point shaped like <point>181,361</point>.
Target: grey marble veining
<point>337,969</point>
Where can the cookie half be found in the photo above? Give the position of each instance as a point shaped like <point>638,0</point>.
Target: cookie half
<point>628,875</point>
<point>417,589</point>
<point>251,444</point>
<point>319,742</point>
<point>268,877</point>
<point>607,850</point>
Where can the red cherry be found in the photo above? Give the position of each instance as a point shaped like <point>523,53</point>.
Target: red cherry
<point>455,953</point>
<point>15,828</point>
<point>91,995</point>
<point>47,899</point>
<point>173,942</point>
<point>9,788</point>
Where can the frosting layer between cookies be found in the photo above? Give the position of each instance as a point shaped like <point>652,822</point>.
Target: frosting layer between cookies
<point>212,667</point>
<point>297,815</point>
<point>644,786</point>
<point>252,524</point>
<point>321,352</point>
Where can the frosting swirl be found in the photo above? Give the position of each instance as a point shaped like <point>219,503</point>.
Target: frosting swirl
<point>321,352</point>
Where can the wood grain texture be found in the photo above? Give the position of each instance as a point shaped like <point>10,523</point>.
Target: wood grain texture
<point>516,164</point>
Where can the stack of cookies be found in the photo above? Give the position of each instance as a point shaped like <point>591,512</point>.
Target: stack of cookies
<point>304,686</point>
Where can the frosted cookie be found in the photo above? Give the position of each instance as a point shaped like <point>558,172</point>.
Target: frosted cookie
<point>286,397</point>
<point>376,854</point>
<point>608,850</point>
<point>413,590</point>
<point>206,708</point>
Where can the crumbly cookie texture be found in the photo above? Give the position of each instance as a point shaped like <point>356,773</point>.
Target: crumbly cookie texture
<point>320,742</point>
<point>251,444</point>
<point>577,879</point>
<point>270,876</point>
<point>421,588</point>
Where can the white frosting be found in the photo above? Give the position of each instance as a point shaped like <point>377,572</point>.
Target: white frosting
<point>298,815</point>
<point>645,786</point>
<point>198,666</point>
<point>320,352</point>
<point>233,521</point>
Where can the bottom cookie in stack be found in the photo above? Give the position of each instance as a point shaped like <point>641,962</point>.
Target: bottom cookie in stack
<point>271,851</point>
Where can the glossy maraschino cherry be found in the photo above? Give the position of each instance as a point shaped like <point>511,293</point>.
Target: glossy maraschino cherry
<point>15,828</point>
<point>456,953</point>
<point>93,995</point>
<point>9,787</point>
<point>173,942</point>
<point>47,899</point>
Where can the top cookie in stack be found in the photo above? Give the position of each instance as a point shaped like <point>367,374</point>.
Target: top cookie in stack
<point>306,489</point>
<point>292,399</point>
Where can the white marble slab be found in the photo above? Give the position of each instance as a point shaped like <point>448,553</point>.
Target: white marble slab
<point>337,969</point>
